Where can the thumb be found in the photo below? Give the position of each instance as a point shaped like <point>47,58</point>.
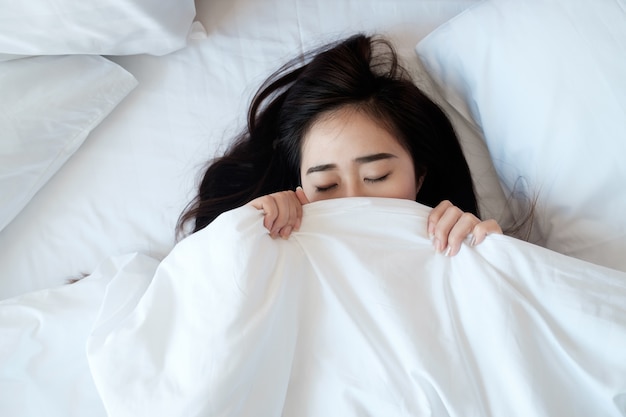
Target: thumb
<point>301,196</point>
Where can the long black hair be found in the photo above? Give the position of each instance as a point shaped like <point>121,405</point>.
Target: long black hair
<point>362,72</point>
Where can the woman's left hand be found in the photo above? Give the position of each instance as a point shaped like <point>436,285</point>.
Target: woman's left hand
<point>449,226</point>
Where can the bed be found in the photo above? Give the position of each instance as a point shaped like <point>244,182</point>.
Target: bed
<point>109,113</point>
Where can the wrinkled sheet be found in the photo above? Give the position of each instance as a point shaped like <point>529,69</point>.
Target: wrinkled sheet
<point>355,314</point>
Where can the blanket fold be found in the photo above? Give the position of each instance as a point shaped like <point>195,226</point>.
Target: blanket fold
<point>356,314</point>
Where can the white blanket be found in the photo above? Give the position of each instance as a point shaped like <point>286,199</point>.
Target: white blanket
<point>355,314</point>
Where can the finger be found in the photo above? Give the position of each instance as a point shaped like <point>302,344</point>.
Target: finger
<point>290,214</point>
<point>284,212</point>
<point>435,216</point>
<point>302,199</point>
<point>444,226</point>
<point>285,232</point>
<point>267,204</point>
<point>463,227</point>
<point>301,196</point>
<point>295,211</point>
<point>484,228</point>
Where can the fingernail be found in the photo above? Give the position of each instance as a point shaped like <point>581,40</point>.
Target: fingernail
<point>448,250</point>
<point>286,232</point>
<point>431,231</point>
<point>437,245</point>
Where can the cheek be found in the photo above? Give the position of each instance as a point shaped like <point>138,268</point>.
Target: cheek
<point>411,186</point>
<point>406,189</point>
<point>412,190</point>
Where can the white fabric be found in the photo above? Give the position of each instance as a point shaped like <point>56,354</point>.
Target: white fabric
<point>48,106</point>
<point>545,82</point>
<point>100,27</point>
<point>356,314</point>
<point>124,189</point>
<point>43,366</point>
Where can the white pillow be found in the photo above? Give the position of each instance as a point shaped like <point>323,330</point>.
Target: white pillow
<point>124,189</point>
<point>100,27</point>
<point>48,106</point>
<point>546,82</point>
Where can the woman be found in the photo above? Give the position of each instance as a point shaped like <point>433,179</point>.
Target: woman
<point>348,122</point>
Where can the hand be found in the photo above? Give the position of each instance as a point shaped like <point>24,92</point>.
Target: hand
<point>448,226</point>
<point>282,210</point>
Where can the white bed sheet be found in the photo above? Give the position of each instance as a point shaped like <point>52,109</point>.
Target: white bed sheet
<point>354,314</point>
<point>43,366</point>
<point>123,190</point>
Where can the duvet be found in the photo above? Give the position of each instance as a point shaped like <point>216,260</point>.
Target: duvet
<point>355,314</point>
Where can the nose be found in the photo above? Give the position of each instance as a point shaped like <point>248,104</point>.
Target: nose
<point>354,188</point>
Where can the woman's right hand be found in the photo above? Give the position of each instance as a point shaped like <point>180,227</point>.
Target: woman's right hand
<point>282,211</point>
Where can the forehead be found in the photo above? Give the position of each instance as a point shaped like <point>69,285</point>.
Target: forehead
<point>347,131</point>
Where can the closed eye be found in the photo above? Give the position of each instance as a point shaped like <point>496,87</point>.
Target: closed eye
<point>325,188</point>
<point>379,179</point>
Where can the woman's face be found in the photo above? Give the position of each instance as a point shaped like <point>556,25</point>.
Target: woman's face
<point>346,154</point>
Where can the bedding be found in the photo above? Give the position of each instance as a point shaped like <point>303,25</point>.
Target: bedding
<point>43,367</point>
<point>544,81</point>
<point>123,190</point>
<point>355,314</point>
<point>345,317</point>
<point>48,106</point>
<point>113,27</point>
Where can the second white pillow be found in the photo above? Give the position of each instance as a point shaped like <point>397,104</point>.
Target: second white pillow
<point>545,82</point>
<point>48,106</point>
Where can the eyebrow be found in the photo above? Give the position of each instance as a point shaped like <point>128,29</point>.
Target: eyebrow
<point>360,160</point>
